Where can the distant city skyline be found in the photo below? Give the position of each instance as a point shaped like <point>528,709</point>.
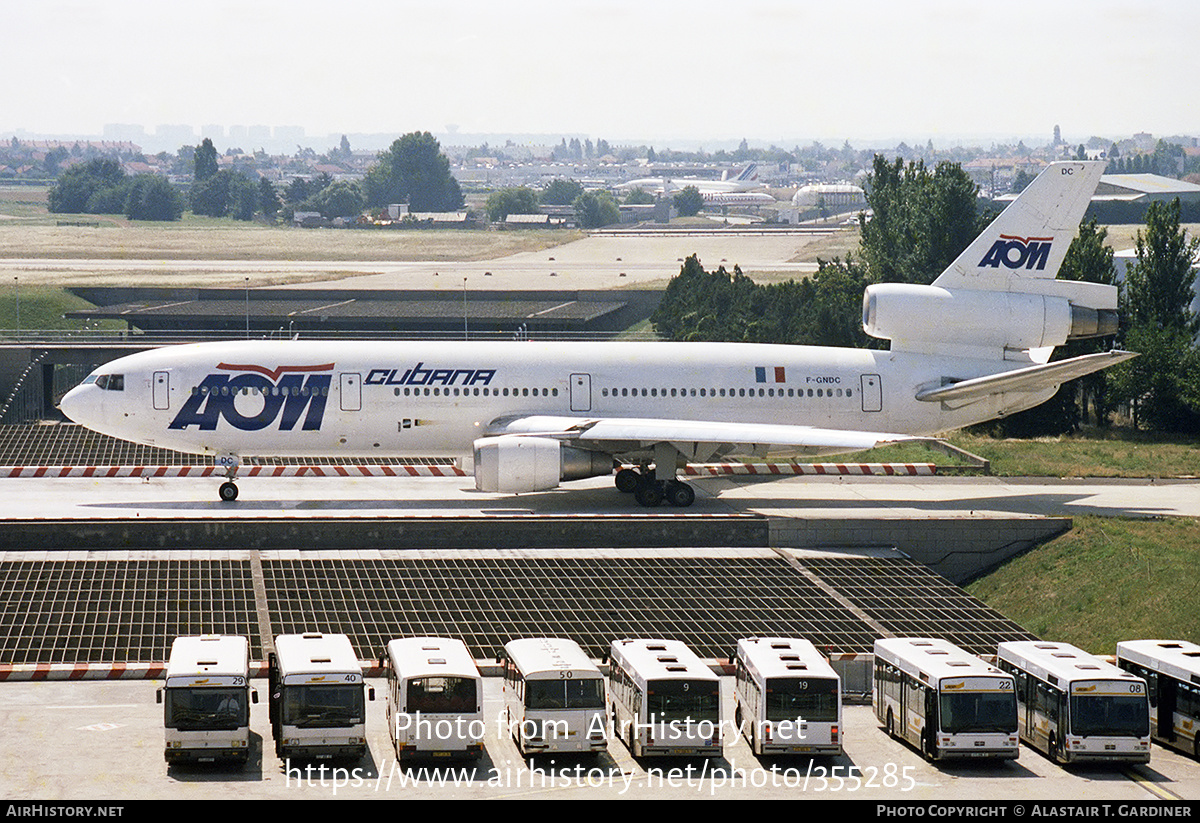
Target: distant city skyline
<point>659,72</point>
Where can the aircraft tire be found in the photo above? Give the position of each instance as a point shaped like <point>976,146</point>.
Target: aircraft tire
<point>648,494</point>
<point>228,492</point>
<point>627,481</point>
<point>680,495</point>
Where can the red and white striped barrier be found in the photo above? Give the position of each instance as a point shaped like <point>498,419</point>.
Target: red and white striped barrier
<point>836,469</point>
<point>17,672</point>
<point>243,471</point>
<point>692,470</point>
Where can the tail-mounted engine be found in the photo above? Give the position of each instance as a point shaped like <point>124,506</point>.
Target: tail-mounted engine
<point>965,321</point>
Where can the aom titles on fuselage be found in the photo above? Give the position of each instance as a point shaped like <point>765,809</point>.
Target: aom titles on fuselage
<point>973,346</point>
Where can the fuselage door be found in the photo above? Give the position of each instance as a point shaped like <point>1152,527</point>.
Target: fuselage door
<point>351,391</point>
<point>872,393</point>
<point>581,392</point>
<point>162,390</point>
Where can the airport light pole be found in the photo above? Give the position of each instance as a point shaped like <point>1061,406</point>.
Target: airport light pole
<point>464,308</point>
<point>247,308</point>
<point>17,292</point>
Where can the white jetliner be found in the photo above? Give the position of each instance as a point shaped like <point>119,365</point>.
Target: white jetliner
<point>746,181</point>
<point>973,346</point>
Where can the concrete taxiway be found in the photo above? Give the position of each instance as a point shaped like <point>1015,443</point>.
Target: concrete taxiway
<point>791,497</point>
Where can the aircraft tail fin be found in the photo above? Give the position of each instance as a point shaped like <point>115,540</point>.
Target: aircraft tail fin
<point>1029,239</point>
<point>999,299</point>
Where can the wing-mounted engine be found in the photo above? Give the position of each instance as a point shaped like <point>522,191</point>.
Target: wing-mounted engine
<point>981,323</point>
<point>514,464</point>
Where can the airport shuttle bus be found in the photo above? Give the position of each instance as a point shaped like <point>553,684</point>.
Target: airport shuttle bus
<point>206,699</point>
<point>434,699</point>
<point>941,699</point>
<point>1171,669</point>
<point>788,698</point>
<point>664,699</point>
<point>554,697</point>
<point>318,697</point>
<point>1075,707</point>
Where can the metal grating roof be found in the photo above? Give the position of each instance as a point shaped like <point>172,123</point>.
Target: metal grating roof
<point>114,608</point>
<point>910,600</point>
<point>68,444</point>
<point>127,611</point>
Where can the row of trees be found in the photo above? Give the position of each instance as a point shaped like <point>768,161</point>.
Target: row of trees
<point>412,171</point>
<point>101,186</point>
<point>922,220</point>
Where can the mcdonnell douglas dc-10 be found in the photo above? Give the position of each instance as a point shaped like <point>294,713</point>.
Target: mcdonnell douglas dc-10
<point>973,346</point>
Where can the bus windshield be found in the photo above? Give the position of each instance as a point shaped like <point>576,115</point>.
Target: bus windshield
<point>792,698</point>
<point>310,706</point>
<point>1107,715</point>
<point>585,693</point>
<point>979,712</point>
<point>441,694</point>
<point>207,708</point>
<point>694,700</point>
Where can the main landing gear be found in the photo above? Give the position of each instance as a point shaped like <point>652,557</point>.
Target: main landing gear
<point>653,487</point>
<point>650,492</point>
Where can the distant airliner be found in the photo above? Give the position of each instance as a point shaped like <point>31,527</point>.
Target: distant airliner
<point>973,346</point>
<point>746,181</point>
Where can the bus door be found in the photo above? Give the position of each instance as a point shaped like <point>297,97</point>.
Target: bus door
<point>162,390</point>
<point>1166,707</point>
<point>871,389</point>
<point>581,392</point>
<point>351,392</point>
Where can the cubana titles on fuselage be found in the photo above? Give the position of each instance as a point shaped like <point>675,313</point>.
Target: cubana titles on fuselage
<point>973,346</point>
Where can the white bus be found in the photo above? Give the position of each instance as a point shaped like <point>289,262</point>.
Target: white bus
<point>318,697</point>
<point>664,699</point>
<point>1075,707</point>
<point>554,697</point>
<point>1171,669</point>
<point>943,700</point>
<point>434,699</point>
<point>788,699</point>
<point>206,699</point>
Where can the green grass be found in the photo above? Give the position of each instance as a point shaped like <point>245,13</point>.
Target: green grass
<point>42,307</point>
<point>1116,452</point>
<point>1106,580</point>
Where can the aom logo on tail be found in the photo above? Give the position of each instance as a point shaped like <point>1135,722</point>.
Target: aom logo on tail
<point>1015,252</point>
<point>264,396</point>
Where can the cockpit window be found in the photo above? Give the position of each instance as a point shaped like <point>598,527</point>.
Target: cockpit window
<point>91,378</point>
<point>111,382</point>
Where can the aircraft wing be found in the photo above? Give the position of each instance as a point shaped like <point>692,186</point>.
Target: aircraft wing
<point>698,440</point>
<point>1027,380</point>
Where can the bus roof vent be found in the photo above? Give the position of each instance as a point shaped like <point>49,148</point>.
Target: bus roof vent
<point>667,658</point>
<point>657,647</point>
<point>797,667</point>
<point>439,661</point>
<point>677,668</point>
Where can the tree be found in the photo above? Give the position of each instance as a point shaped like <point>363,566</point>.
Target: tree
<point>639,197</point>
<point>80,185</point>
<point>561,192</point>
<point>596,209</point>
<point>341,198</point>
<point>205,161</point>
<point>1162,386</point>
<point>689,201</point>
<point>513,200</point>
<point>152,197</point>
<point>268,199</point>
<point>413,171</point>
<point>920,222</point>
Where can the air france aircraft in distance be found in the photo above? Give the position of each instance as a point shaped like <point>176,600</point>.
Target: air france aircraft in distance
<point>746,181</point>
<point>973,346</point>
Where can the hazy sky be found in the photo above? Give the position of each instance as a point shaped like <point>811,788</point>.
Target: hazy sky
<point>647,70</point>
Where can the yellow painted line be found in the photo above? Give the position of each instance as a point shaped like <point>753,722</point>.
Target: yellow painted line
<point>1149,785</point>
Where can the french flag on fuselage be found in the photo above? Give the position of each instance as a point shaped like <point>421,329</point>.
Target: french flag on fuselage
<point>767,374</point>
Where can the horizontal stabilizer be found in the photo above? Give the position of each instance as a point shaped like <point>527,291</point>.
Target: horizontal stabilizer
<point>1028,380</point>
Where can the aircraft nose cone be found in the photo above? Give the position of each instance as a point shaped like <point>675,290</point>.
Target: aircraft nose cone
<point>73,404</point>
